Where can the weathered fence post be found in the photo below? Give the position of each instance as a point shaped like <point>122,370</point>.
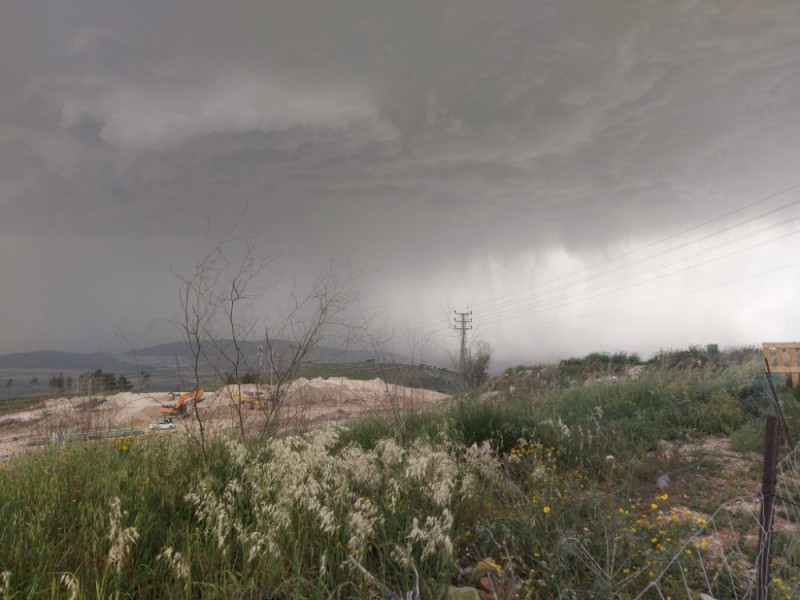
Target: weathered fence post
<point>776,404</point>
<point>767,507</point>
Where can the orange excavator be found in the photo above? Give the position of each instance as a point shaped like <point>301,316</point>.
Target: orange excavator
<point>179,408</point>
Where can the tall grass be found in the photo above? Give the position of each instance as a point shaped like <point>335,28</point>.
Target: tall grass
<point>56,505</point>
<point>519,490</point>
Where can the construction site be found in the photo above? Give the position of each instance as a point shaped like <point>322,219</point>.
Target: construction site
<point>302,403</point>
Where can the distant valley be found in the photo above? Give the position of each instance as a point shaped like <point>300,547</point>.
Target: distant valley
<point>166,365</point>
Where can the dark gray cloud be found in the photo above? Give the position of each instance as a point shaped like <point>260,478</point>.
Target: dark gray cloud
<point>462,150</point>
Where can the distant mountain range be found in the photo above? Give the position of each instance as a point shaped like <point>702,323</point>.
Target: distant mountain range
<point>169,367</point>
<point>165,358</point>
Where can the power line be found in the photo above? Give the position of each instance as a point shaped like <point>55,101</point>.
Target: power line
<point>571,299</point>
<point>670,237</point>
<point>523,304</point>
<point>547,303</point>
<point>652,300</point>
<point>621,268</point>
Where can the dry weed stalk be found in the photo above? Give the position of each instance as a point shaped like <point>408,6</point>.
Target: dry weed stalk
<point>352,492</point>
<point>73,585</point>
<point>383,588</point>
<point>176,562</point>
<point>121,538</point>
<point>5,582</point>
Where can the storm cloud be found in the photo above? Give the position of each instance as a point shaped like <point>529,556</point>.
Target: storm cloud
<point>570,171</point>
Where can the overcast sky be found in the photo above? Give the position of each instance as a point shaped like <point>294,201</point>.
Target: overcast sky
<point>584,175</point>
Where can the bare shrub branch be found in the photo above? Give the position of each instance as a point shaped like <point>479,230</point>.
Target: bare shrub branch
<point>221,315</point>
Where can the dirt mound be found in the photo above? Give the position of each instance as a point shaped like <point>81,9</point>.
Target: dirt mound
<point>318,399</point>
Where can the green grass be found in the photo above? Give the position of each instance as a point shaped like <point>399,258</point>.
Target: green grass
<point>520,488</point>
<point>22,403</point>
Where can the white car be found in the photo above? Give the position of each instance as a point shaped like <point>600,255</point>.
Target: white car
<point>163,424</point>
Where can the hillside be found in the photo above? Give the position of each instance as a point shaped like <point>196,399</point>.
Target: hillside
<point>599,477</point>
<point>168,365</point>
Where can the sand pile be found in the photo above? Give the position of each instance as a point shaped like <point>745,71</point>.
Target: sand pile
<point>314,400</point>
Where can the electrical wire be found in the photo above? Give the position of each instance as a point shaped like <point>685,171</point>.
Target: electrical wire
<point>512,308</point>
<point>649,301</point>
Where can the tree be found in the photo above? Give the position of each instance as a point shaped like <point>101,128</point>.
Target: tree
<point>99,382</point>
<point>144,379</point>
<point>34,382</point>
<point>309,318</point>
<point>109,382</point>
<point>123,384</point>
<point>476,365</point>
<point>474,371</point>
<point>69,383</point>
<point>222,307</point>
<point>84,381</point>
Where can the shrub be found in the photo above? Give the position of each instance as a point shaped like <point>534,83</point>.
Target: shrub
<point>501,425</point>
<point>749,437</point>
<point>297,506</point>
<point>719,413</point>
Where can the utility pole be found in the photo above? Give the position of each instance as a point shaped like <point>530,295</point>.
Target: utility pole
<point>463,323</point>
